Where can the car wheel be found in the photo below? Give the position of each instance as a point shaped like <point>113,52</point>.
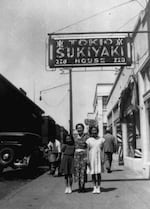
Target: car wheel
<point>6,156</point>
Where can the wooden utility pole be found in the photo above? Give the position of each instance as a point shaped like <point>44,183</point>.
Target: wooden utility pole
<point>70,102</point>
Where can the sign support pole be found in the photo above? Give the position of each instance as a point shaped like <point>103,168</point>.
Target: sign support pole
<point>70,102</point>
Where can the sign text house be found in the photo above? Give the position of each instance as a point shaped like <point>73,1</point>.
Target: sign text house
<point>86,52</point>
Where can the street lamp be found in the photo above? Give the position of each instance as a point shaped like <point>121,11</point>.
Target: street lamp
<point>48,89</point>
<point>70,98</point>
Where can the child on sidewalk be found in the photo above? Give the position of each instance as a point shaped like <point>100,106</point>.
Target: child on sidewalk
<point>95,146</point>
<point>67,163</point>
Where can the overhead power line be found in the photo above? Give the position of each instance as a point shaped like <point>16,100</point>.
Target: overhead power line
<point>94,15</point>
<point>126,23</point>
<point>140,4</point>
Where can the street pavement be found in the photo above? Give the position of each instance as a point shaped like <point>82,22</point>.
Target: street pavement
<point>121,189</point>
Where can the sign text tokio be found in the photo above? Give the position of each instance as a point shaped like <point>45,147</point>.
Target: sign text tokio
<point>89,52</point>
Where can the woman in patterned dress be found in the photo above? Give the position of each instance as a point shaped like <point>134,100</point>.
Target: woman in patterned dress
<point>95,147</point>
<point>80,157</point>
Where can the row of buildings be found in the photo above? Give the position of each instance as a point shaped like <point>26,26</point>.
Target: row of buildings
<point>125,105</point>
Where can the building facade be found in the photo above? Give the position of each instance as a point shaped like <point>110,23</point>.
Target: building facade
<point>129,102</point>
<point>99,114</point>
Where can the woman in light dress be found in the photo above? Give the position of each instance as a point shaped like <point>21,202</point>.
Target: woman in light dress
<point>95,148</point>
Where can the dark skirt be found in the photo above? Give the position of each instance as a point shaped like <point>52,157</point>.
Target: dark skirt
<point>67,165</point>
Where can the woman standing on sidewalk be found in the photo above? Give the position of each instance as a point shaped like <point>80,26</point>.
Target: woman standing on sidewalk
<point>80,157</point>
<point>95,147</point>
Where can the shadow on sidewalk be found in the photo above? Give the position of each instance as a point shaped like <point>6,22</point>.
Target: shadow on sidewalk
<point>22,174</point>
<point>114,170</point>
<point>87,189</point>
<point>131,179</point>
<point>108,189</point>
<point>90,189</point>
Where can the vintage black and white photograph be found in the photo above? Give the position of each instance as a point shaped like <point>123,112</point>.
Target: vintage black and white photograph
<point>74,104</point>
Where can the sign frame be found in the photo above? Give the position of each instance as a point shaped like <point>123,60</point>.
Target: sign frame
<point>84,47</point>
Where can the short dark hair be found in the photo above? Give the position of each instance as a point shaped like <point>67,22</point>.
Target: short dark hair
<point>91,127</point>
<point>80,124</point>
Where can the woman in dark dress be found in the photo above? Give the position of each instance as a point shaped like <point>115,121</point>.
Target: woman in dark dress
<point>67,163</point>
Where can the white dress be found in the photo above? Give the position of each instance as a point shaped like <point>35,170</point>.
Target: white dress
<point>94,147</point>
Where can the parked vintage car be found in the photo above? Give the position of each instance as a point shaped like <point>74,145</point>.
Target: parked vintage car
<point>20,149</point>
<point>25,130</point>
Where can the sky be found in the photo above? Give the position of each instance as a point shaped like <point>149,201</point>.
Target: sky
<point>24,28</point>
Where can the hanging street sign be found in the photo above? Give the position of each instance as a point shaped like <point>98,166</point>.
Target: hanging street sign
<point>89,52</point>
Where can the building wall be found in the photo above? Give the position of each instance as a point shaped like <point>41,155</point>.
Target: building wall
<point>119,86</point>
<point>139,69</point>
<point>100,111</point>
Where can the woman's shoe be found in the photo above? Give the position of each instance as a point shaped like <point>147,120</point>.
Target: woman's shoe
<point>98,190</point>
<point>94,190</point>
<point>79,190</point>
<point>69,190</point>
<point>83,190</point>
<point>66,190</point>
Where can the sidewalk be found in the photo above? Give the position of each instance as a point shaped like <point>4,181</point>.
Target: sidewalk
<point>120,189</point>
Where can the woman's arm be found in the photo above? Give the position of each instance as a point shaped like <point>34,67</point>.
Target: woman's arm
<point>63,147</point>
<point>102,151</point>
<point>87,150</point>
